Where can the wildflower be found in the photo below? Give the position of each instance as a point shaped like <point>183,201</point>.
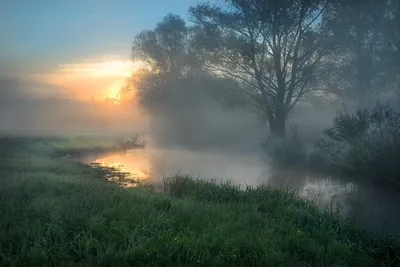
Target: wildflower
<point>299,232</point>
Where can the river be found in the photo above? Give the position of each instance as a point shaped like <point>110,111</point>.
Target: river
<point>372,209</point>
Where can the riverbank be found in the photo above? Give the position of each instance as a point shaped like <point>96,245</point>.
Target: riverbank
<point>72,147</point>
<point>62,213</point>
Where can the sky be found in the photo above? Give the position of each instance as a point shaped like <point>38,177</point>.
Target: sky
<point>76,44</point>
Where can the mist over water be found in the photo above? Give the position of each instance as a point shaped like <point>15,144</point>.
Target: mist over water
<point>370,208</point>
<point>208,142</point>
<point>200,138</point>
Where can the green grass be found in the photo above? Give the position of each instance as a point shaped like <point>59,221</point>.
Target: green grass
<point>59,213</point>
<point>73,146</point>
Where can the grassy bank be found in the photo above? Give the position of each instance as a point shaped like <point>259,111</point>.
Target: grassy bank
<point>54,212</point>
<point>72,146</point>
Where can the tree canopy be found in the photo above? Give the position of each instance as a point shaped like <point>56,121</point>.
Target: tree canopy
<point>272,54</point>
<point>356,69</point>
<point>274,48</point>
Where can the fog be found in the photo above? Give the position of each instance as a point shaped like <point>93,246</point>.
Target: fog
<point>195,136</point>
<point>33,108</point>
<point>200,122</point>
<point>210,94</point>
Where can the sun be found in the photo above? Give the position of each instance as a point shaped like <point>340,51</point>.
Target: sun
<point>113,93</point>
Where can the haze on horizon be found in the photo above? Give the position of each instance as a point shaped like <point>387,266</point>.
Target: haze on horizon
<point>63,64</point>
<point>76,52</point>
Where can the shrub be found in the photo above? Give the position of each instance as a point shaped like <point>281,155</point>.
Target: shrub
<point>288,151</point>
<point>134,141</point>
<point>364,144</point>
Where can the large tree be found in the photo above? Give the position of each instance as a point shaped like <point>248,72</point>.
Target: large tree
<point>356,69</point>
<point>165,49</point>
<point>171,71</point>
<point>165,56</point>
<point>171,85</point>
<point>274,48</point>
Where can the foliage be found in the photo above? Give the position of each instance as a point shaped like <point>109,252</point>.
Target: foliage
<point>165,55</point>
<point>363,65</point>
<point>171,75</point>
<point>134,141</point>
<point>275,53</point>
<point>164,49</point>
<point>273,48</point>
<point>365,144</point>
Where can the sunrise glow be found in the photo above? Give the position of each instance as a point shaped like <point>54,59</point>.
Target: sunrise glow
<point>136,164</point>
<point>116,67</point>
<point>114,91</point>
<point>91,79</point>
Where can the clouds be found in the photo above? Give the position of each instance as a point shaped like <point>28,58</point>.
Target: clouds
<point>91,78</point>
<point>114,68</point>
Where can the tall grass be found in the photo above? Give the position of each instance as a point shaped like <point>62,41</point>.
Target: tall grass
<point>59,213</point>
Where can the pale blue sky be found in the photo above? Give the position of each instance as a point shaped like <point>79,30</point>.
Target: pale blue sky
<point>37,35</point>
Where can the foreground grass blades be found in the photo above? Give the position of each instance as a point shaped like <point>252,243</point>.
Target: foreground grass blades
<point>54,212</point>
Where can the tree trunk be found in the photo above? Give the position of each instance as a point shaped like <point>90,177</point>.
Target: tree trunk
<point>278,126</point>
<point>278,122</point>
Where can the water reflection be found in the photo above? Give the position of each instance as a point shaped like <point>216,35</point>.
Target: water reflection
<point>245,169</point>
<point>328,192</point>
<point>126,168</point>
<point>152,164</point>
<point>375,210</point>
<point>370,208</point>
<point>132,161</point>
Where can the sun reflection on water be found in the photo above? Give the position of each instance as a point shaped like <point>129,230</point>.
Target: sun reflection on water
<point>134,168</point>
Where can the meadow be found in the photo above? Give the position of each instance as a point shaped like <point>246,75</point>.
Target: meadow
<point>57,212</point>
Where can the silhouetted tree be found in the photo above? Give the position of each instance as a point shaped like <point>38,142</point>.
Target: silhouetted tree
<point>273,48</point>
<point>172,86</point>
<point>171,70</point>
<point>165,55</point>
<point>356,69</point>
<point>165,49</point>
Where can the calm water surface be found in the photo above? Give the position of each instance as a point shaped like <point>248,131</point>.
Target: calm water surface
<point>374,210</point>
